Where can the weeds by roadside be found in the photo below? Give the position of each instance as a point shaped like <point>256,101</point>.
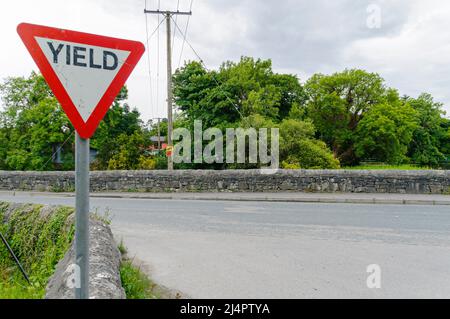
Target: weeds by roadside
<point>40,239</point>
<point>134,281</point>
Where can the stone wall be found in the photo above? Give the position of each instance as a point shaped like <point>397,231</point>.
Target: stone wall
<point>104,268</point>
<point>388,181</point>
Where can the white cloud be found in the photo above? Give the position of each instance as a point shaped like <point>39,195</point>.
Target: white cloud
<point>415,60</point>
<point>411,50</point>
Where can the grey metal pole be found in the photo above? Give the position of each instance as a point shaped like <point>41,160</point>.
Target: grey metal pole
<point>169,92</point>
<point>82,216</point>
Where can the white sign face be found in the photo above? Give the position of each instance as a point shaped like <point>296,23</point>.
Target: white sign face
<point>85,71</point>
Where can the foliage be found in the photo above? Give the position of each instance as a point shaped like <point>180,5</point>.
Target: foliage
<point>249,94</point>
<point>431,135</point>
<point>336,103</point>
<point>286,165</point>
<point>221,98</point>
<point>128,155</point>
<point>346,117</point>
<point>298,147</point>
<point>119,125</point>
<point>39,242</point>
<point>403,167</point>
<point>147,163</point>
<point>135,282</point>
<point>385,132</point>
<point>31,126</point>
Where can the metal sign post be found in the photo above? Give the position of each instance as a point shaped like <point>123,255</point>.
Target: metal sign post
<point>85,72</point>
<point>82,216</point>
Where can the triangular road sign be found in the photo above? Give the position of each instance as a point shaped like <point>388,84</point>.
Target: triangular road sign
<point>84,71</point>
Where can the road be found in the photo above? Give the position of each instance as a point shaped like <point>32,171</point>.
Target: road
<point>233,249</point>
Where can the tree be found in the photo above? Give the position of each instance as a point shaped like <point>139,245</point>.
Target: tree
<point>238,90</point>
<point>386,130</point>
<point>299,148</point>
<point>427,145</point>
<point>19,93</point>
<point>130,151</point>
<point>337,103</point>
<point>32,125</point>
<point>118,121</point>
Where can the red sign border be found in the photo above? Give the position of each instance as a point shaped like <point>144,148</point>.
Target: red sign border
<point>28,32</point>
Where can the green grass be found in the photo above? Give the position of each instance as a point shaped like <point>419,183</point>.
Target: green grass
<point>404,167</point>
<point>122,248</point>
<point>39,243</point>
<point>136,284</point>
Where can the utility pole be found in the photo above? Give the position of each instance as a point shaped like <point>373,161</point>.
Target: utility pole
<point>168,15</point>
<point>159,132</point>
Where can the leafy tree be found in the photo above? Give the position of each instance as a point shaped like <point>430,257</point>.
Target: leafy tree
<point>386,130</point>
<point>129,154</point>
<point>19,93</point>
<point>119,121</point>
<point>299,148</point>
<point>445,139</point>
<point>31,125</point>
<point>237,90</point>
<point>427,145</point>
<point>337,103</point>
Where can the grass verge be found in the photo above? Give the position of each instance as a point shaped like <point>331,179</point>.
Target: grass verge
<point>134,281</point>
<point>136,284</point>
<point>39,239</point>
<point>406,167</point>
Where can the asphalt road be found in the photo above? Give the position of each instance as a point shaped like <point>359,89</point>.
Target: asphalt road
<point>227,249</point>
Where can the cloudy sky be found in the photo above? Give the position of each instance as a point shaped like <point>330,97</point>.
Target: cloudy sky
<point>406,41</point>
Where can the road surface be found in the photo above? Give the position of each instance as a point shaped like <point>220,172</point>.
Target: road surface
<point>233,249</point>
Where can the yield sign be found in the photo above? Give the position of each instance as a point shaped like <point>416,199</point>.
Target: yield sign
<point>84,71</point>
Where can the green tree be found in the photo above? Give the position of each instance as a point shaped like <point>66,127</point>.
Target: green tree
<point>386,130</point>
<point>337,103</point>
<point>299,148</point>
<point>427,145</point>
<point>237,90</point>
<point>130,151</point>
<point>119,121</point>
<point>31,126</point>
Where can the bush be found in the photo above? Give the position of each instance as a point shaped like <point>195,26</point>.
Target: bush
<point>299,148</point>
<point>146,163</point>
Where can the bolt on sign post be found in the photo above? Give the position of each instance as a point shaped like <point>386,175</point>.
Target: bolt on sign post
<point>85,72</point>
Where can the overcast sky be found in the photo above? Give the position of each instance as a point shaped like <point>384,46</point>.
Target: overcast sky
<point>409,46</point>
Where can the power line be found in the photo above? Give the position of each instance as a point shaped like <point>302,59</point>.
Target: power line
<point>148,62</point>
<point>58,150</point>
<point>176,18</point>
<point>157,61</point>
<point>185,35</point>
<point>215,80</point>
<point>154,31</point>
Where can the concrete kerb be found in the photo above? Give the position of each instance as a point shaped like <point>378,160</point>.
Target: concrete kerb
<point>338,198</point>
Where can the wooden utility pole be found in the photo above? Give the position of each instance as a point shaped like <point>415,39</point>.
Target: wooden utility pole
<point>168,15</point>
<point>159,131</point>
